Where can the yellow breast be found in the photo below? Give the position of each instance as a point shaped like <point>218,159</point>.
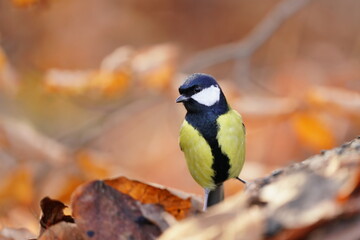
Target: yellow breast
<point>231,139</point>
<point>198,155</point>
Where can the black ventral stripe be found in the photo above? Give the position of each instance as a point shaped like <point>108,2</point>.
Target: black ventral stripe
<point>208,128</point>
<point>221,164</point>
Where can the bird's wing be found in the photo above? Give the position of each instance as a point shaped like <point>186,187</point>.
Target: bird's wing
<point>198,155</point>
<point>231,138</point>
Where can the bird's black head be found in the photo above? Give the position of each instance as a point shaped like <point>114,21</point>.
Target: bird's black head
<point>200,93</point>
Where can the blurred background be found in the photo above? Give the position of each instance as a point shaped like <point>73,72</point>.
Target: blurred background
<point>88,88</point>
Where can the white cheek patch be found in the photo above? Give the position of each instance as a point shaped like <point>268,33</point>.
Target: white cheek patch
<point>208,96</point>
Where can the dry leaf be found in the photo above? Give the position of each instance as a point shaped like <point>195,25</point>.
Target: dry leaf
<point>155,66</point>
<point>145,193</point>
<point>17,187</point>
<point>119,60</point>
<point>15,234</point>
<point>334,99</point>
<point>73,82</point>
<point>28,143</point>
<point>101,212</point>
<point>351,187</point>
<point>95,83</point>
<point>52,213</point>
<point>25,3</point>
<point>108,83</point>
<point>232,220</point>
<point>297,202</point>
<point>313,131</point>
<point>62,231</point>
<point>157,215</point>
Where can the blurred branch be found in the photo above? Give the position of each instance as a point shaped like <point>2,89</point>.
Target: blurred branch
<point>94,128</point>
<point>25,142</point>
<point>246,47</point>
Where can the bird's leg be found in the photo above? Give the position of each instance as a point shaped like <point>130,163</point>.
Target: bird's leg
<point>243,181</point>
<point>206,197</point>
<point>213,196</point>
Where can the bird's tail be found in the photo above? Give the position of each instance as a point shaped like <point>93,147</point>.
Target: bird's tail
<point>213,197</point>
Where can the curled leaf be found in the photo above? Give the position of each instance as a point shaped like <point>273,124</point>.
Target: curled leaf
<point>101,212</point>
<point>145,193</point>
<point>52,213</point>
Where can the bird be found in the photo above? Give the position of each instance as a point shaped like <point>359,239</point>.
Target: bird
<point>212,136</point>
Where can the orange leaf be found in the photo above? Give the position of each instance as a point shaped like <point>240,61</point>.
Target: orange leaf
<point>109,83</point>
<point>94,83</point>
<point>155,66</point>
<point>145,193</point>
<point>17,187</point>
<point>313,131</point>
<point>24,3</point>
<point>2,60</point>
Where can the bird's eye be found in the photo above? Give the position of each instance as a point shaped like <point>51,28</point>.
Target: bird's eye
<point>197,89</point>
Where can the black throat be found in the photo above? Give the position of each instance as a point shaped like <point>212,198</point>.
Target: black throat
<point>205,122</point>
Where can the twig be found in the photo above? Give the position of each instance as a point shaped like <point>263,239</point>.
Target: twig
<point>94,128</point>
<point>246,47</point>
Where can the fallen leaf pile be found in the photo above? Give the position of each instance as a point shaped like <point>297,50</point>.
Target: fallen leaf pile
<point>314,199</point>
<point>115,209</point>
<point>318,198</point>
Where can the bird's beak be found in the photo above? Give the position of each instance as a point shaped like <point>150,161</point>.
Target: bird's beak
<point>182,98</point>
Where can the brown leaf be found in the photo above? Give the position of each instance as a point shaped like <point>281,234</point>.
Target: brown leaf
<point>15,234</point>
<point>62,231</point>
<point>101,212</point>
<point>53,212</point>
<point>157,215</point>
<point>145,193</point>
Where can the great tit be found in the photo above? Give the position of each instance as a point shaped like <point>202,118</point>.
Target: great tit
<point>212,136</point>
